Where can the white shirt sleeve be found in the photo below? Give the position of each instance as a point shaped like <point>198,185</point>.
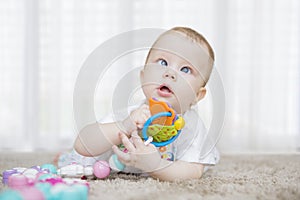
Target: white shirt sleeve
<point>194,144</point>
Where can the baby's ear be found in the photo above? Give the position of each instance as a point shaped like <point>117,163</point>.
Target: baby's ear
<point>200,95</point>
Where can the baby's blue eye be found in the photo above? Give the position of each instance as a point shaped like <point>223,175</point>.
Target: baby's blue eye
<point>162,62</point>
<point>186,70</point>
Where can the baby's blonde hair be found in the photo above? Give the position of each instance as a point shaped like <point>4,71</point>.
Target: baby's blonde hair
<point>196,37</point>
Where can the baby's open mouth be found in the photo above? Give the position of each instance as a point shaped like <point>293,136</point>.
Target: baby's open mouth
<point>164,91</point>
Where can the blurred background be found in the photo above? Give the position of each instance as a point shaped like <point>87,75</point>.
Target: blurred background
<point>43,44</point>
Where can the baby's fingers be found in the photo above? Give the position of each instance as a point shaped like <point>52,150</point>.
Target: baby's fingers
<point>126,142</point>
<point>146,112</point>
<point>122,156</point>
<point>137,141</point>
<point>142,120</point>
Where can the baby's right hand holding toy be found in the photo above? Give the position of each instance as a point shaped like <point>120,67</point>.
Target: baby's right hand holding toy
<point>140,116</point>
<point>136,119</point>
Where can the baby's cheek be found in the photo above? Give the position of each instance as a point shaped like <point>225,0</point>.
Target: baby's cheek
<point>185,102</point>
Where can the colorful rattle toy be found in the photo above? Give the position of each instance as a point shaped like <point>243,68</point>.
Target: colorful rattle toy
<point>164,126</point>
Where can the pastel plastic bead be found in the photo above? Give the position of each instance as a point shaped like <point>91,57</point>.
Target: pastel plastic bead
<point>88,171</point>
<point>38,168</point>
<point>82,190</point>
<point>30,173</point>
<point>52,169</point>
<point>57,190</point>
<point>11,195</point>
<point>101,169</point>
<point>54,180</point>
<point>17,181</point>
<point>43,176</point>
<point>70,193</point>
<point>76,181</point>
<point>72,170</point>
<point>45,188</point>
<point>20,169</point>
<point>115,164</point>
<point>32,193</point>
<point>6,174</point>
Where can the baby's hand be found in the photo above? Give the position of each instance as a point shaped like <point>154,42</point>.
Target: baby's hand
<point>137,119</point>
<point>140,116</point>
<point>139,155</point>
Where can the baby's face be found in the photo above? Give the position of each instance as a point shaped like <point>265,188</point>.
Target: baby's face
<point>174,71</point>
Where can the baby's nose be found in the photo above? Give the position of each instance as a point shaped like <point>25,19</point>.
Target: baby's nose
<point>169,74</point>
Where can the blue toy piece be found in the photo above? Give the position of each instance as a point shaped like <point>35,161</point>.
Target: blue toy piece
<point>115,164</point>
<point>51,168</point>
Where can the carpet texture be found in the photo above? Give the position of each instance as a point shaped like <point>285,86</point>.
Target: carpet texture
<point>235,177</point>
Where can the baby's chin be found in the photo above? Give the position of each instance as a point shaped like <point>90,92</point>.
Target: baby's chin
<point>163,99</point>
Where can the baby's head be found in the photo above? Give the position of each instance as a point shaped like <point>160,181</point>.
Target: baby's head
<point>177,68</point>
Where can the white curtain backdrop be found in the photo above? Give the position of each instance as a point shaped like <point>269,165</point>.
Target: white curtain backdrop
<point>44,43</point>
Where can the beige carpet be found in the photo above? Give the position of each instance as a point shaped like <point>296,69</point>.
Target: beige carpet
<point>235,177</point>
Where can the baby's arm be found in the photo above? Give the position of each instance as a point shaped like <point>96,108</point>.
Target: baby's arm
<point>97,138</point>
<point>178,170</point>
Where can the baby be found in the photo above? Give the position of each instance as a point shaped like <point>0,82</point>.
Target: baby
<point>176,71</point>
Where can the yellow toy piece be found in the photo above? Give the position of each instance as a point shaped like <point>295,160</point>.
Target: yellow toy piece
<point>179,123</point>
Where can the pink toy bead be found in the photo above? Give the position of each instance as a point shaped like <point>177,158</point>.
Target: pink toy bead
<point>54,181</point>
<point>31,174</point>
<point>32,193</point>
<point>101,169</point>
<point>17,181</point>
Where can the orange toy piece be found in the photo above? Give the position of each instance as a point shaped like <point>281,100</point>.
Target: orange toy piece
<point>158,107</point>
